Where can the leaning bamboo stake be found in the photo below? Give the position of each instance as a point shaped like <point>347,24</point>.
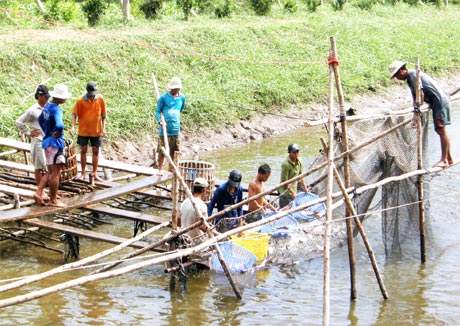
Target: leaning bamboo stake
<point>198,212</point>
<point>327,231</point>
<point>421,206</point>
<point>175,194</point>
<point>83,262</point>
<point>352,212</point>
<point>346,166</point>
<point>163,122</point>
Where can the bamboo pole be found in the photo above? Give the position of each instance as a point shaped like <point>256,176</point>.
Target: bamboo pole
<point>346,167</point>
<point>327,231</point>
<point>83,262</point>
<point>203,220</point>
<point>421,206</point>
<point>352,212</point>
<point>175,194</point>
<point>163,122</point>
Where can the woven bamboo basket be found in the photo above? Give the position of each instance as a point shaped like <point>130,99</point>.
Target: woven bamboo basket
<point>195,169</point>
<point>69,171</point>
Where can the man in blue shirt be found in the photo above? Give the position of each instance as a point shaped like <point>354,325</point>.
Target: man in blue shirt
<point>52,124</point>
<point>228,194</point>
<point>438,100</point>
<point>171,104</point>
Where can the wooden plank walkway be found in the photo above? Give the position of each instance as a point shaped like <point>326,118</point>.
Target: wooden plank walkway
<point>16,166</point>
<point>82,233</point>
<point>83,200</point>
<point>109,164</point>
<point>137,216</point>
<point>13,190</point>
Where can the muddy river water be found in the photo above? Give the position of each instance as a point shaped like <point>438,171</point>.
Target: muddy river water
<point>290,295</point>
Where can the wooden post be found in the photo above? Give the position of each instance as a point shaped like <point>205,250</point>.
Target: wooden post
<point>162,117</point>
<point>346,166</point>
<point>175,195</point>
<point>352,212</point>
<point>327,231</point>
<point>421,204</point>
<point>188,193</point>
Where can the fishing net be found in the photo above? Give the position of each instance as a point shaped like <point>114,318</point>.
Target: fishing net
<point>281,227</point>
<point>310,213</point>
<point>392,155</point>
<point>238,259</point>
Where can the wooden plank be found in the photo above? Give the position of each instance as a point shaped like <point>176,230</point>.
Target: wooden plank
<point>16,144</point>
<point>137,216</point>
<point>120,166</point>
<point>82,233</point>
<point>16,166</point>
<point>115,165</point>
<point>84,200</point>
<point>13,190</point>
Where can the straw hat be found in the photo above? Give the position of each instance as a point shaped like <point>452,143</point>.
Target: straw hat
<point>395,66</point>
<point>61,91</point>
<point>175,83</point>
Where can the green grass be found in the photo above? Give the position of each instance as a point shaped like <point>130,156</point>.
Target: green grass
<point>214,59</point>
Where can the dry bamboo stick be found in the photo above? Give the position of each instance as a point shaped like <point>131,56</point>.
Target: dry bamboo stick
<point>421,206</point>
<point>163,122</point>
<point>189,195</point>
<point>352,212</point>
<point>346,169</point>
<point>157,260</point>
<point>80,263</point>
<point>328,228</point>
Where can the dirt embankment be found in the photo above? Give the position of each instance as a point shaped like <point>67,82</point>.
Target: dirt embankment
<point>396,96</point>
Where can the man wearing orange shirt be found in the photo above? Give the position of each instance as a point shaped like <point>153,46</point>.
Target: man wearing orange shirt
<point>90,111</point>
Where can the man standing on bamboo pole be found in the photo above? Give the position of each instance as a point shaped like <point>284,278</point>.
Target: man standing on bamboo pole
<point>171,104</point>
<point>438,100</point>
<point>290,168</point>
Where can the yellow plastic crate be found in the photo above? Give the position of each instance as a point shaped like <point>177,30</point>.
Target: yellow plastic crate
<point>255,242</point>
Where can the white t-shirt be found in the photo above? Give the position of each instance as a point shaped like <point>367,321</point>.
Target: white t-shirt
<point>188,217</point>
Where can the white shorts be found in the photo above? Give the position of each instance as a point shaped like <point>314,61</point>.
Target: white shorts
<point>51,156</point>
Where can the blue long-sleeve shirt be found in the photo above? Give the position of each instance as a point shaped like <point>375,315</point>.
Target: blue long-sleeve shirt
<point>51,121</point>
<point>171,108</point>
<point>223,199</point>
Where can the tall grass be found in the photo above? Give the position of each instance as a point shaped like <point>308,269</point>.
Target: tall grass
<point>209,55</point>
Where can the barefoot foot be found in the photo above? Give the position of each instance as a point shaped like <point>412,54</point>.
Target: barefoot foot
<point>441,164</point>
<point>56,203</point>
<point>39,200</point>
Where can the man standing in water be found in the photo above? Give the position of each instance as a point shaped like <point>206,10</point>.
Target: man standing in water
<point>438,100</point>
<point>28,125</point>
<point>91,113</point>
<point>228,194</point>
<point>290,168</point>
<point>188,215</point>
<point>258,207</point>
<point>52,124</point>
<point>170,104</point>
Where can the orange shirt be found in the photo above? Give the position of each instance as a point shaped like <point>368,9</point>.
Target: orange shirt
<point>90,114</point>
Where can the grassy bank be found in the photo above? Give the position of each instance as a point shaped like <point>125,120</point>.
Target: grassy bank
<point>230,68</point>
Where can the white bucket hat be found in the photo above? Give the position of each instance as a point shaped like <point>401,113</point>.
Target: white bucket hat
<point>175,83</point>
<point>200,182</point>
<point>395,66</point>
<point>60,91</point>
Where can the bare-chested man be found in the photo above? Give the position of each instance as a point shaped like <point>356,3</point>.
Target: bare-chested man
<point>258,207</point>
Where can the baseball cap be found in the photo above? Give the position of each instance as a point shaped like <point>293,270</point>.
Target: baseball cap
<point>234,178</point>
<point>200,182</point>
<point>91,88</point>
<point>42,90</point>
<point>293,148</point>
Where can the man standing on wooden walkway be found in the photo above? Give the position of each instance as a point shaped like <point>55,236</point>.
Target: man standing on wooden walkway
<point>90,111</point>
<point>28,125</point>
<point>52,124</point>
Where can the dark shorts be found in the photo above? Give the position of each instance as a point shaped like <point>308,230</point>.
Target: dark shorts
<point>94,141</point>
<point>441,117</point>
<point>173,142</point>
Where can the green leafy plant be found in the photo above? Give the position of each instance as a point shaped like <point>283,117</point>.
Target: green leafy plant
<point>151,8</point>
<point>223,8</point>
<point>312,5</point>
<point>261,7</point>
<point>61,10</point>
<point>290,6</point>
<point>94,9</point>
<point>186,6</point>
